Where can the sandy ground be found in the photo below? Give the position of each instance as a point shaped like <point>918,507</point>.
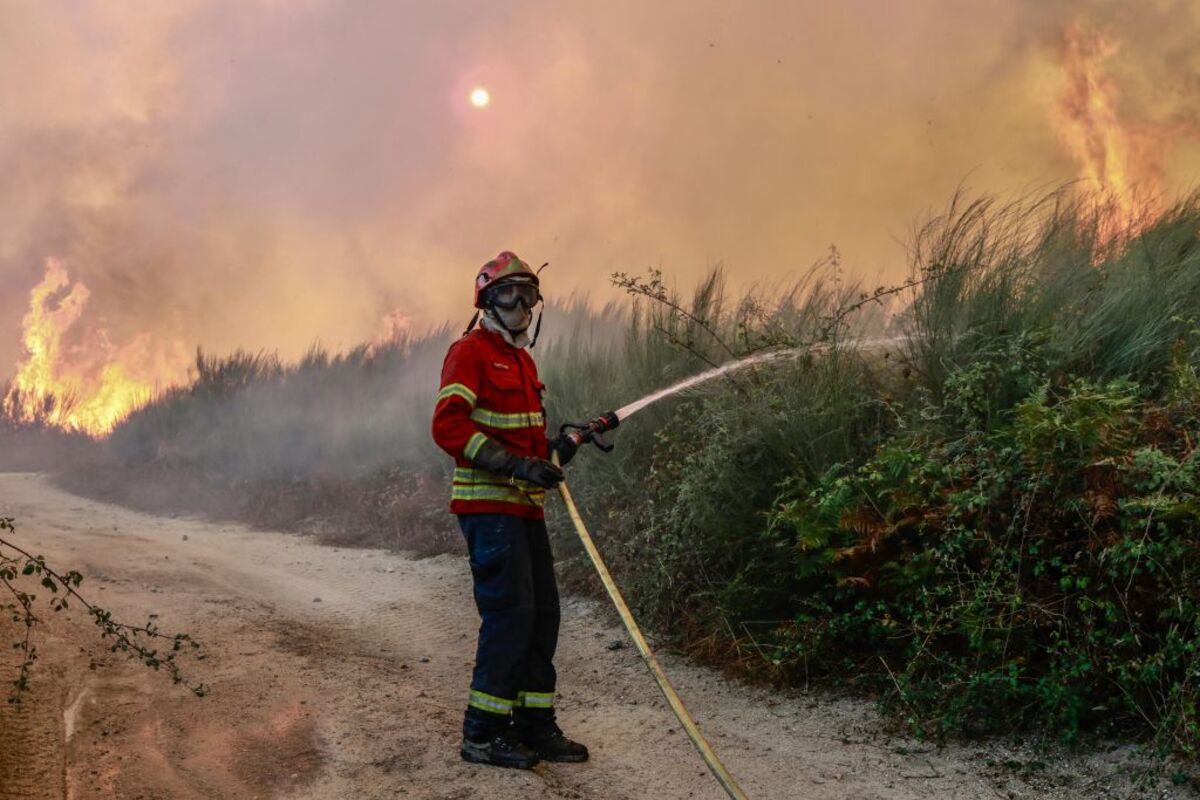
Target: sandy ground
<point>342,674</point>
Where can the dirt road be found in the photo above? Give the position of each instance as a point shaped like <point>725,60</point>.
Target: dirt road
<point>341,674</point>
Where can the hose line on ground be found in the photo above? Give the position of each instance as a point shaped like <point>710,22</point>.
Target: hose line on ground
<point>706,752</point>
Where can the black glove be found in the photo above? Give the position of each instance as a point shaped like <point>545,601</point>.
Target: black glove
<point>565,447</point>
<point>537,471</point>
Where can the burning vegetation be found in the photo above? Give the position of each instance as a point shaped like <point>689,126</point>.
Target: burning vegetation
<point>1121,162</point>
<point>84,382</point>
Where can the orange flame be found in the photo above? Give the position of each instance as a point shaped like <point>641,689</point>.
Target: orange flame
<point>100,385</point>
<point>1121,162</point>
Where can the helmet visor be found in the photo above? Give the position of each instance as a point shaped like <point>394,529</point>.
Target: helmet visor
<point>509,295</point>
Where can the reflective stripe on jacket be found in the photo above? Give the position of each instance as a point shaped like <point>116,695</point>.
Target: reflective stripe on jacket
<point>490,390</point>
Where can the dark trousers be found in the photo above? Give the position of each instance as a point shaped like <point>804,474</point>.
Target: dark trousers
<point>517,598</point>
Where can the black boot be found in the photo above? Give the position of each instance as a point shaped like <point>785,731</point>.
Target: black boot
<point>551,745</point>
<point>504,749</point>
<point>539,732</point>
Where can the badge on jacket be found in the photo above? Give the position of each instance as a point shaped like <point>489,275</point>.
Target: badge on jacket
<point>498,365</point>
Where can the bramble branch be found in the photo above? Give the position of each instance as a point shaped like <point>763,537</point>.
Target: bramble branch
<point>17,563</point>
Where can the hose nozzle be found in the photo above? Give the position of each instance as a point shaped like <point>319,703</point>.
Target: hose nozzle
<point>581,434</point>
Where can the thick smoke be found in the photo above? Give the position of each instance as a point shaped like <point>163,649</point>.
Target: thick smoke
<point>266,174</point>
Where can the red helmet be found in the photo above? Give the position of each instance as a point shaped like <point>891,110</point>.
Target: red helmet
<point>505,266</point>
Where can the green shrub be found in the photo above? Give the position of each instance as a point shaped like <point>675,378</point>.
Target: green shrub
<point>1044,572</point>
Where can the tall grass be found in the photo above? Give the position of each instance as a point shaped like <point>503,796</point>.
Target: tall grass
<point>1039,270</point>
<point>249,415</point>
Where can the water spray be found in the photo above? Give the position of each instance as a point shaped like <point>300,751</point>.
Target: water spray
<point>626,411</point>
<point>583,432</point>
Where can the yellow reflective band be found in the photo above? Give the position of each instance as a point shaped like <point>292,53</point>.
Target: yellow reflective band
<point>489,702</point>
<point>473,444</point>
<point>521,489</point>
<point>495,419</point>
<point>501,494</point>
<point>482,477</point>
<point>535,699</point>
<point>456,389</point>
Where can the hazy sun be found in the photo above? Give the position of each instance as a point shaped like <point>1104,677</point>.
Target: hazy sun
<point>480,97</point>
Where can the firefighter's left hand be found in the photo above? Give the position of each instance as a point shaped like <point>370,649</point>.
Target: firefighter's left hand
<point>538,471</point>
<point>565,447</point>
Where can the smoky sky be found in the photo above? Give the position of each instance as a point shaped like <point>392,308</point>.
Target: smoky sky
<point>269,174</point>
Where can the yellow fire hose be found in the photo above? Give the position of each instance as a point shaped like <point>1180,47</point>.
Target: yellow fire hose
<point>706,752</point>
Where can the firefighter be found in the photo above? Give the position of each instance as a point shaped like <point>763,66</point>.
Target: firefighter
<point>489,416</point>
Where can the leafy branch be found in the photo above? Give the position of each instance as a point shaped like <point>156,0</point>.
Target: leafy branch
<point>654,289</point>
<point>758,327</point>
<point>146,643</point>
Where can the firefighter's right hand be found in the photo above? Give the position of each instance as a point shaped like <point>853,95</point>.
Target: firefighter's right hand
<point>537,471</point>
<point>565,447</point>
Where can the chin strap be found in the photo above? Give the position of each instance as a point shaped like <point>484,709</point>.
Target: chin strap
<point>471,324</point>
<point>537,329</point>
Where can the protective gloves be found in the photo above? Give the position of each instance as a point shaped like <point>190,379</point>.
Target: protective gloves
<point>537,471</point>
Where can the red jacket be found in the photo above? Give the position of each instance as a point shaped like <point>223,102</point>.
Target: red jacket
<point>491,390</point>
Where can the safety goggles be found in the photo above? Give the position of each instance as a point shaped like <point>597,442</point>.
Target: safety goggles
<point>509,295</point>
